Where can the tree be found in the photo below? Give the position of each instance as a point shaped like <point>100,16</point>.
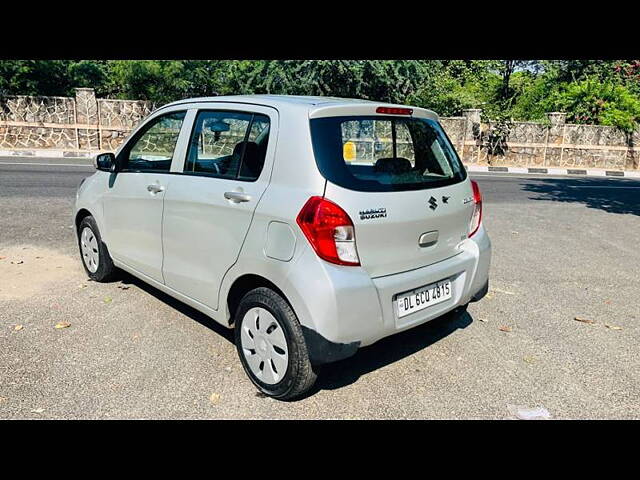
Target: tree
<point>34,77</point>
<point>504,89</point>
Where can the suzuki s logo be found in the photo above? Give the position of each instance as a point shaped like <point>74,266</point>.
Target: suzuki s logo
<point>433,203</point>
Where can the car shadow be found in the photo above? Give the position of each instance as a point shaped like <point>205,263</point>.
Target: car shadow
<point>345,372</point>
<point>387,351</point>
<point>612,196</point>
<point>128,279</point>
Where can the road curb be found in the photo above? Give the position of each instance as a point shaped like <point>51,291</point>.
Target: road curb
<point>586,172</point>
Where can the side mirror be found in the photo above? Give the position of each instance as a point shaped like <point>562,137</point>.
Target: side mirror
<point>105,162</point>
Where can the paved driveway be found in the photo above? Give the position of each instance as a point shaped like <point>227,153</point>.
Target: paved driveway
<point>563,248</point>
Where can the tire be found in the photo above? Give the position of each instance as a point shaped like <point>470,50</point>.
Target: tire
<point>100,259</point>
<point>263,321</point>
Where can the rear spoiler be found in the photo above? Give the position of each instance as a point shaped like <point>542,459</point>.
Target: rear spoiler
<point>364,109</point>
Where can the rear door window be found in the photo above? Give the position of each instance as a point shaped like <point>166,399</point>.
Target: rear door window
<point>228,144</point>
<point>381,153</point>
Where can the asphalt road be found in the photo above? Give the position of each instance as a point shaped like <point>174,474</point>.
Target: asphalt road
<point>563,247</point>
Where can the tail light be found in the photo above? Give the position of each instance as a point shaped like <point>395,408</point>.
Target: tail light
<point>476,216</point>
<point>329,231</point>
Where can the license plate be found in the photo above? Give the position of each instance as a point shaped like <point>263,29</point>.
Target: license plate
<point>423,297</point>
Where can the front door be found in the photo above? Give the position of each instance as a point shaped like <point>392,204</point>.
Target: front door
<point>209,207</point>
<point>134,201</point>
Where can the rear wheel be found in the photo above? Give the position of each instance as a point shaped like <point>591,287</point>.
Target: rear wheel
<point>271,345</point>
<point>95,256</point>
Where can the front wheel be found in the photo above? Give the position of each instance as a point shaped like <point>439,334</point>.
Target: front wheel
<point>95,256</point>
<point>271,345</point>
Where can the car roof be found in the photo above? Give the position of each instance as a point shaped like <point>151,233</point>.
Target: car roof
<point>282,102</point>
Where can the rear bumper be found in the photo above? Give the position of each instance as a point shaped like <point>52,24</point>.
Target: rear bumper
<point>481,293</point>
<point>351,308</point>
<point>469,274</point>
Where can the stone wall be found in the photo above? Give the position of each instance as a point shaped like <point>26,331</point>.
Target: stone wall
<point>551,144</point>
<point>82,124</point>
<point>86,124</point>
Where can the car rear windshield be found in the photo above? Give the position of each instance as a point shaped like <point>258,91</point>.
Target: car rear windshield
<point>384,153</point>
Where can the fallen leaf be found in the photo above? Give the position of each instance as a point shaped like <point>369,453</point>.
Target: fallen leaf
<point>2,258</point>
<point>123,287</point>
<point>514,233</point>
<point>62,325</point>
<point>107,299</point>
<point>37,410</point>
<point>504,328</point>
<point>584,320</point>
<point>530,360</point>
<point>612,327</point>
<point>214,398</point>
<point>608,302</point>
<point>82,286</point>
<point>489,295</point>
<point>3,399</point>
<point>38,257</point>
<point>499,290</point>
<point>18,327</point>
<point>483,320</point>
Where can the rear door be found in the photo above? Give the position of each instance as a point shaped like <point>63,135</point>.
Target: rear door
<point>214,192</point>
<point>401,182</point>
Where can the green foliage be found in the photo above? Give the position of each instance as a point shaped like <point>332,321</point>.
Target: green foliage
<point>590,91</point>
<point>602,103</point>
<point>87,73</point>
<point>455,86</point>
<point>391,81</point>
<point>34,77</point>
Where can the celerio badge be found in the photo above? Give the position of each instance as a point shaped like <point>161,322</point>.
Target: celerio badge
<point>373,213</point>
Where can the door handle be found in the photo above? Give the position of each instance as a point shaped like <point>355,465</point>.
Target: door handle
<point>237,197</point>
<point>155,188</point>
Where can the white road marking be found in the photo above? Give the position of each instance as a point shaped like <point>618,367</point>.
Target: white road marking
<point>542,176</point>
<point>47,164</point>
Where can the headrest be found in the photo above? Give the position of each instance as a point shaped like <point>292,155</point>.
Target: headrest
<point>392,165</point>
<point>251,149</point>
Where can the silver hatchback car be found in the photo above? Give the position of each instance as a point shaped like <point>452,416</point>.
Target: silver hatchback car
<point>313,226</point>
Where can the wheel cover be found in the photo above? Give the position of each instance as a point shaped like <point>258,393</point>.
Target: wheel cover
<point>89,248</point>
<point>264,345</point>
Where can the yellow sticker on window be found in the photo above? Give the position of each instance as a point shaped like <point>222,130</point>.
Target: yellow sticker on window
<point>349,151</point>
